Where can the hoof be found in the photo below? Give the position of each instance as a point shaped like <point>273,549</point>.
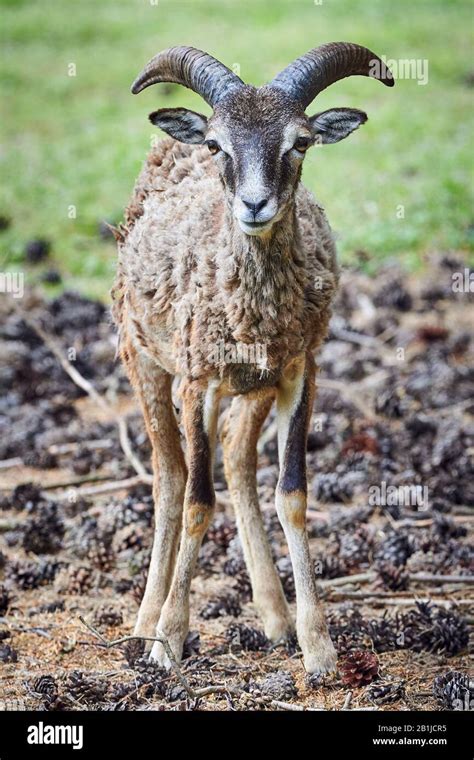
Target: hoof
<point>320,660</point>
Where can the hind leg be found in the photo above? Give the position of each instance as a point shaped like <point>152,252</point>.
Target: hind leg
<point>239,438</point>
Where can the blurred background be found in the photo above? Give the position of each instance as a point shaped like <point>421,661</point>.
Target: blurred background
<point>74,137</point>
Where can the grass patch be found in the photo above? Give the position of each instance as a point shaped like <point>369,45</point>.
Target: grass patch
<point>78,141</point>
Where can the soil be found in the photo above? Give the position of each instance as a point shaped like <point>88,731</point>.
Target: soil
<point>394,409</point>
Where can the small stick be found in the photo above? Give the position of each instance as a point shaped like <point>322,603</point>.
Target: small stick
<point>110,487</point>
<point>393,601</point>
<point>69,448</point>
<point>358,578</point>
<point>5,464</point>
<point>434,578</point>
<point>347,701</point>
<point>192,693</point>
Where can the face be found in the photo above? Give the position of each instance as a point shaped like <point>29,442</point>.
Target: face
<point>258,139</point>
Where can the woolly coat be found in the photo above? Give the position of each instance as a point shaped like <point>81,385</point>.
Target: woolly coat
<point>189,280</point>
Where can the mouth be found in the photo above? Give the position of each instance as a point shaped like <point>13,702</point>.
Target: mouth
<point>255,228</point>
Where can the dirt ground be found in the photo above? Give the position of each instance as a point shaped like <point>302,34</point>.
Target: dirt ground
<point>394,408</point>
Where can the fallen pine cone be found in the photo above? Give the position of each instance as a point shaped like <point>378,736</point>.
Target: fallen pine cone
<point>454,690</point>
<point>225,604</point>
<point>387,692</point>
<point>243,636</point>
<point>107,616</point>
<point>359,668</point>
<point>393,577</point>
<point>46,688</point>
<point>7,653</point>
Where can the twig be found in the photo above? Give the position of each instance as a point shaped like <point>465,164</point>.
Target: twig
<point>93,478</point>
<point>191,692</point>
<point>59,449</point>
<point>358,578</point>
<point>382,599</point>
<point>434,578</point>
<point>5,464</point>
<point>347,701</point>
<point>110,487</point>
<point>413,578</point>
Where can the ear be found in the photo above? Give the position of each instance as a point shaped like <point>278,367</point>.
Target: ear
<point>336,124</point>
<point>185,126</point>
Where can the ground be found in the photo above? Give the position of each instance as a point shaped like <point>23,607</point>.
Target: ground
<point>394,408</point>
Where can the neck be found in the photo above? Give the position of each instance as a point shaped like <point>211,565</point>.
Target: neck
<point>264,280</point>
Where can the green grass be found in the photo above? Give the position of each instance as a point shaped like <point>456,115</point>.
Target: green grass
<point>79,141</point>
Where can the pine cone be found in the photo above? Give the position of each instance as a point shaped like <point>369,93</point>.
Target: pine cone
<point>26,495</point>
<point>387,692</point>
<point>242,586</point>
<point>208,556</point>
<point>40,459</point>
<point>454,690</point>
<point>47,688</point>
<point>84,688</point>
<point>151,676</point>
<point>235,562</point>
<point>279,685</point>
<point>395,549</point>
<point>43,534</point>
<point>133,650</point>
<point>243,636</point>
<point>359,668</point>
<point>225,604</point>
<point>234,566</point>
<point>138,585</point>
<point>101,556</point>
<point>355,547</point>
<point>76,579</point>
<point>192,644</point>
<point>28,575</point>
<point>393,577</point>
<point>331,566</point>
<point>7,653</point>
<point>107,616</point>
<point>433,629</point>
<point>222,531</point>
<point>133,536</point>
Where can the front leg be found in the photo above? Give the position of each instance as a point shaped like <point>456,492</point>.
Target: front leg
<point>294,405</point>
<point>200,406</point>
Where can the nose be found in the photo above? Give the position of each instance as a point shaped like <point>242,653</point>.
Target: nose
<point>255,207</point>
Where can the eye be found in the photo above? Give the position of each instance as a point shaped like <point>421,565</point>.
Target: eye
<point>302,144</point>
<point>213,146</point>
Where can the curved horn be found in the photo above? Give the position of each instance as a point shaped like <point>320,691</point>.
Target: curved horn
<point>192,68</point>
<point>307,76</point>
